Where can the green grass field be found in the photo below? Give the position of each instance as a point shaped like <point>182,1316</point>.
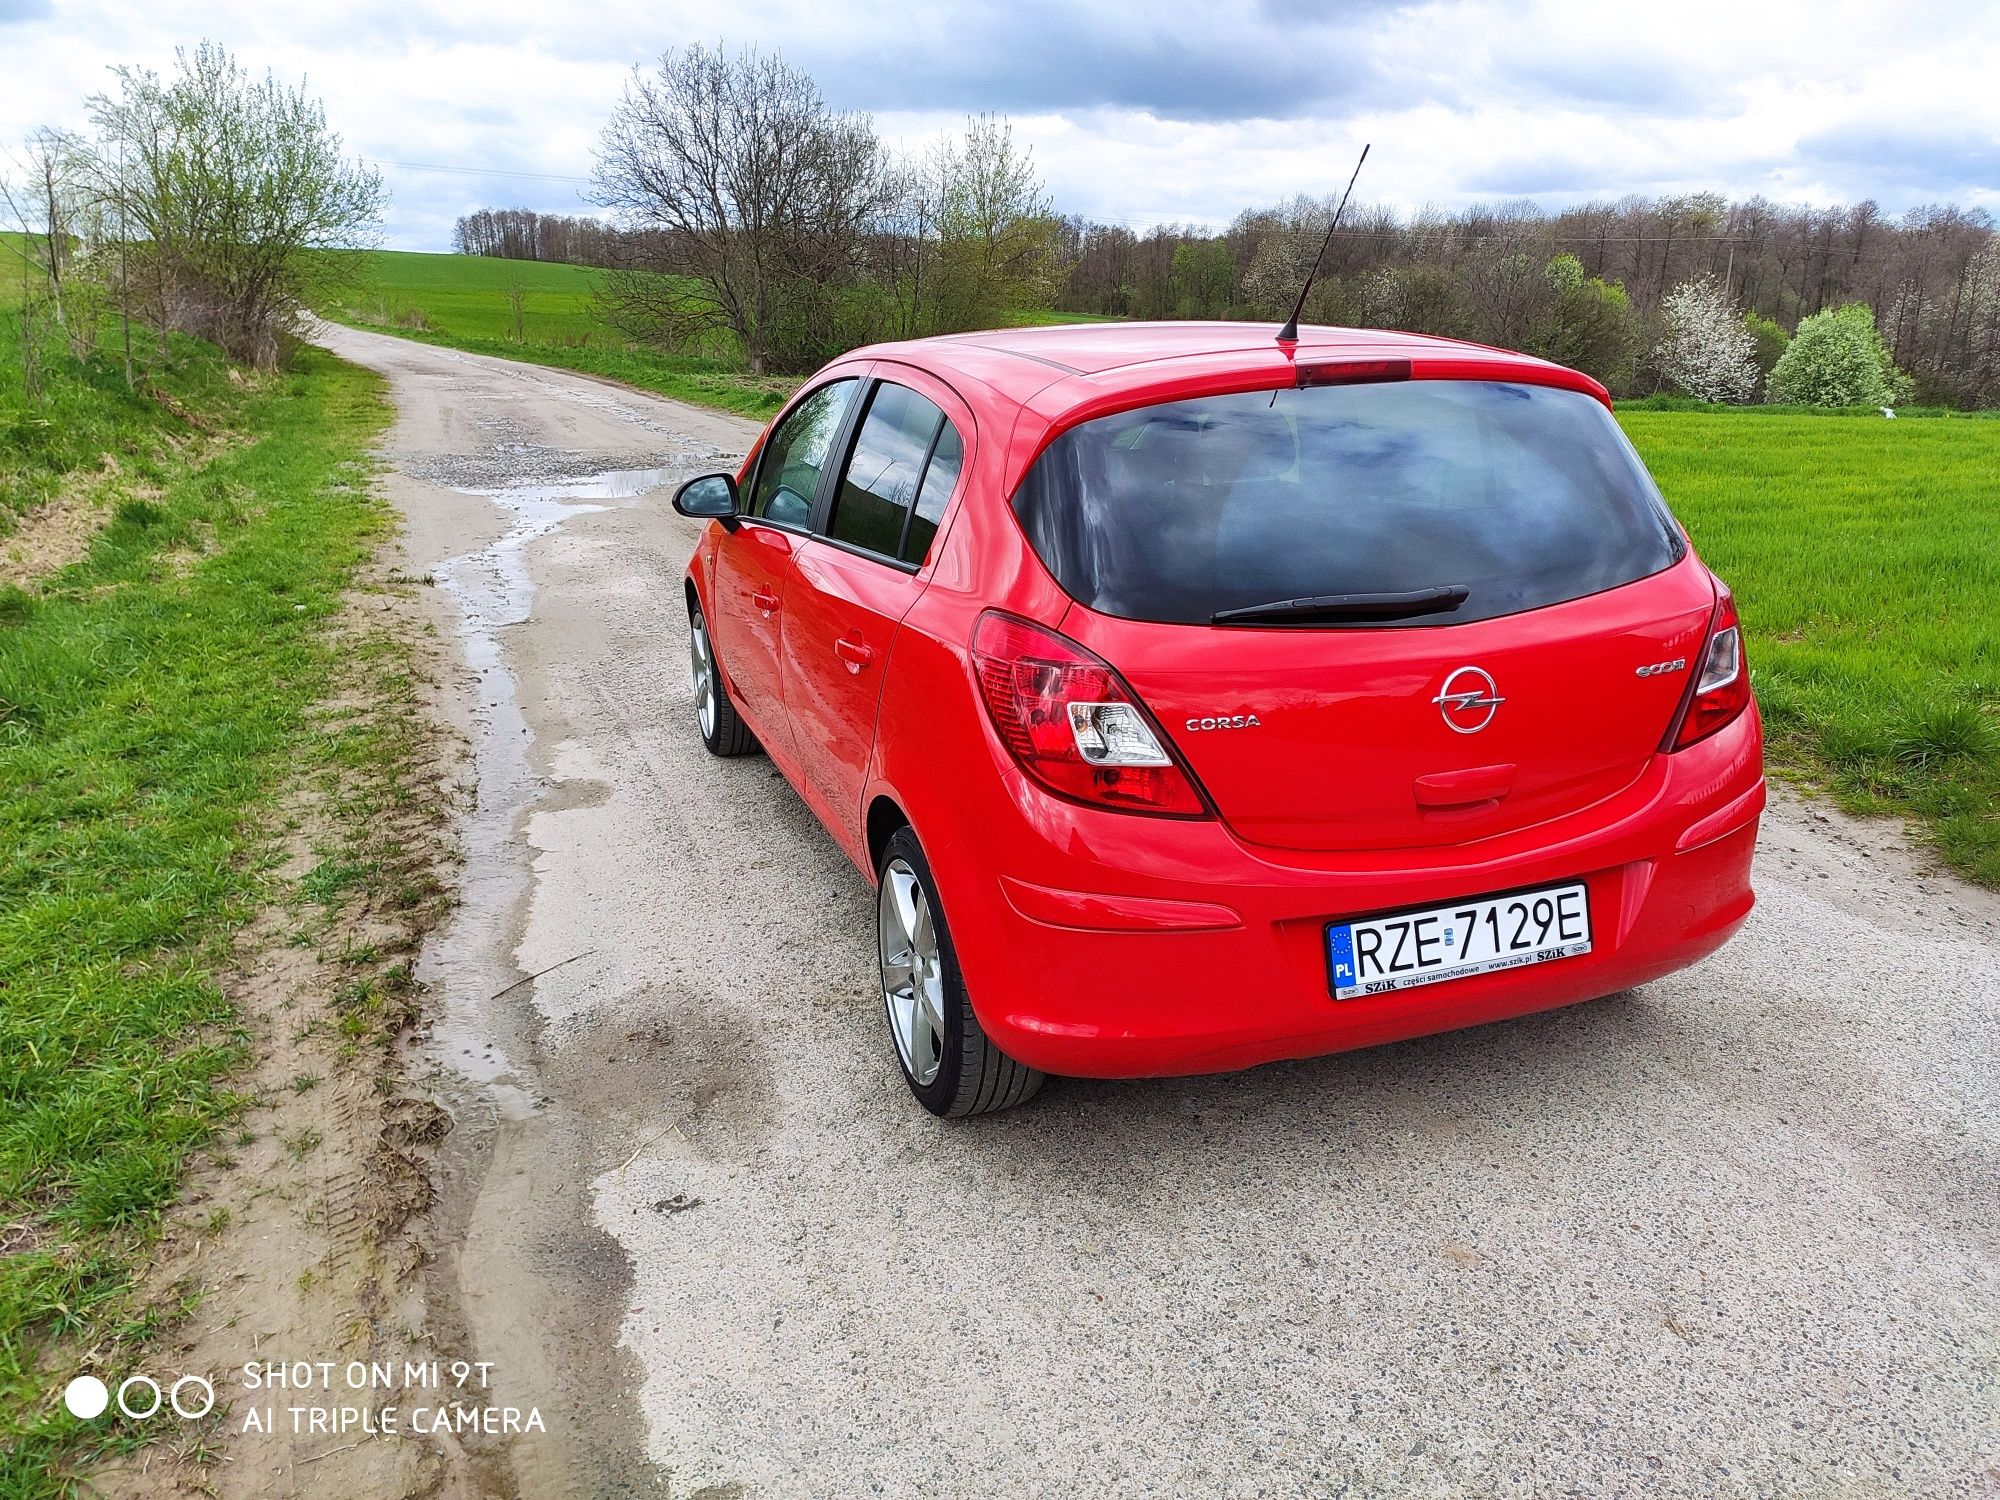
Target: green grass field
<point>154,704</point>
<point>467,296</point>
<point>1865,553</point>
<point>1865,556</point>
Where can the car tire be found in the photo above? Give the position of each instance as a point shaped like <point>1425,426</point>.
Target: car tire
<point>947,1059</point>
<point>722,728</point>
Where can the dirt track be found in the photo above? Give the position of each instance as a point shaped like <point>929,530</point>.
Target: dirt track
<point>1734,1233</point>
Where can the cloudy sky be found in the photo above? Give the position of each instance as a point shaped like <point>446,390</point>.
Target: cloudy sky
<point>1139,111</point>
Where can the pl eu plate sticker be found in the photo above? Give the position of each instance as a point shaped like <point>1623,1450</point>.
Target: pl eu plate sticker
<point>1342,939</point>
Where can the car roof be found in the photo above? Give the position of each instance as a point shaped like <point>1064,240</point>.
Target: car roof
<point>1019,363</point>
<point>1095,347</point>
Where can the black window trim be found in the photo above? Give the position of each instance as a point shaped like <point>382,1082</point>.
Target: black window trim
<point>844,443</point>
<point>924,478</point>
<point>841,454</point>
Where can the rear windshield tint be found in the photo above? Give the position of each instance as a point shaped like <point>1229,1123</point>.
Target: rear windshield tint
<point>1522,495</point>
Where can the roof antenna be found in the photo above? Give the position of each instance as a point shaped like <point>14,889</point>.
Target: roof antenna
<point>1289,334</point>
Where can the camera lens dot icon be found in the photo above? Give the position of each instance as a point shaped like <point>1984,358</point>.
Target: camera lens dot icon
<point>86,1397</point>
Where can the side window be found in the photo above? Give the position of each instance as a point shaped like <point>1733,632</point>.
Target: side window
<point>940,479</point>
<point>788,473</point>
<point>885,470</point>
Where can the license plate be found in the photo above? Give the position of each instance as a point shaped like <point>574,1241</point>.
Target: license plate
<point>1474,936</point>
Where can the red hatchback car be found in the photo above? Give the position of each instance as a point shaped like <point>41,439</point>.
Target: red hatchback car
<point>1197,700</point>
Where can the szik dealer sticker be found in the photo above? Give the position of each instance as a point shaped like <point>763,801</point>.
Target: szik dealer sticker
<point>1477,936</point>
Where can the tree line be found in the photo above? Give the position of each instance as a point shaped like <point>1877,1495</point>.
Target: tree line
<point>1592,285</point>
<point>743,211</point>
<point>524,234</point>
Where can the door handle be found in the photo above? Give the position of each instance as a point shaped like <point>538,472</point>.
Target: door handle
<point>855,653</point>
<point>764,599</point>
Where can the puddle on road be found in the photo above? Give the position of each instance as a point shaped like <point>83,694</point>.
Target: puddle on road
<point>512,1228</point>
<point>470,959</point>
<point>614,484</point>
<point>514,1214</point>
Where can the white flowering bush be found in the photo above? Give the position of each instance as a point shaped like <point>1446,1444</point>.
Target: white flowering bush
<point>1704,349</point>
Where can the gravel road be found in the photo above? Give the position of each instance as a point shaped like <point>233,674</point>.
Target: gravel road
<point>1734,1233</point>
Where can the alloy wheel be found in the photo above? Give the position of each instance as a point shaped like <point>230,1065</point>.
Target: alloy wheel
<point>701,665</point>
<point>912,970</point>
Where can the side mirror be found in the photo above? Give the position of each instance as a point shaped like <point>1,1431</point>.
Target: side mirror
<point>712,497</point>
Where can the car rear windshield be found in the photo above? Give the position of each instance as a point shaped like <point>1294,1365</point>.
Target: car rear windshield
<point>1520,495</point>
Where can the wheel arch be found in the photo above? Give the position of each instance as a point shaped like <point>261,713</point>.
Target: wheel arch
<point>696,602</point>
<point>885,816</point>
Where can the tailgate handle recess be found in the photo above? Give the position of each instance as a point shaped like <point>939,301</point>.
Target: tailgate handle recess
<point>1465,788</point>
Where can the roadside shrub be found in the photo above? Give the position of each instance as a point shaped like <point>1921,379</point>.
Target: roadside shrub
<point>235,192</point>
<point>1837,358</point>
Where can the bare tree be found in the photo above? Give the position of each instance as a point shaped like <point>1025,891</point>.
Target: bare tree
<point>48,206</point>
<point>45,204</point>
<point>969,239</point>
<point>755,191</point>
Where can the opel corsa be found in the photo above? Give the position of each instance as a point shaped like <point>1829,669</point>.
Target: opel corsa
<point>1195,699</point>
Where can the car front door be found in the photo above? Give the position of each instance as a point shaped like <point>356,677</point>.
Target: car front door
<point>853,582</point>
<point>753,560</point>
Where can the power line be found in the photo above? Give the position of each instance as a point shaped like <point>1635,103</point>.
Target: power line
<point>432,166</point>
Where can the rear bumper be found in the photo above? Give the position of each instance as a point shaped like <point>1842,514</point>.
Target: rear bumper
<point>1103,945</point>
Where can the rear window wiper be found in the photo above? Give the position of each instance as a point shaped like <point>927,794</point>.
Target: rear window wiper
<point>1397,604</point>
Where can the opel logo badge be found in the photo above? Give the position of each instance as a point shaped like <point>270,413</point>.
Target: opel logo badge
<point>1468,700</point>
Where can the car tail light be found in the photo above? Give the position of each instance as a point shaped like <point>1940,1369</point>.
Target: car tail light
<point>1721,687</point>
<point>1073,725</point>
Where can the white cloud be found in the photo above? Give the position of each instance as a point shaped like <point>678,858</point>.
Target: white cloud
<point>1138,112</point>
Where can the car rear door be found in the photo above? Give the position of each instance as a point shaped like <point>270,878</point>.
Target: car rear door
<point>753,560</point>
<point>856,578</point>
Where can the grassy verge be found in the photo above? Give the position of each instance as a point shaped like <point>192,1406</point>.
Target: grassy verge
<point>1863,555</point>
<point>155,702</point>
<point>89,425</point>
